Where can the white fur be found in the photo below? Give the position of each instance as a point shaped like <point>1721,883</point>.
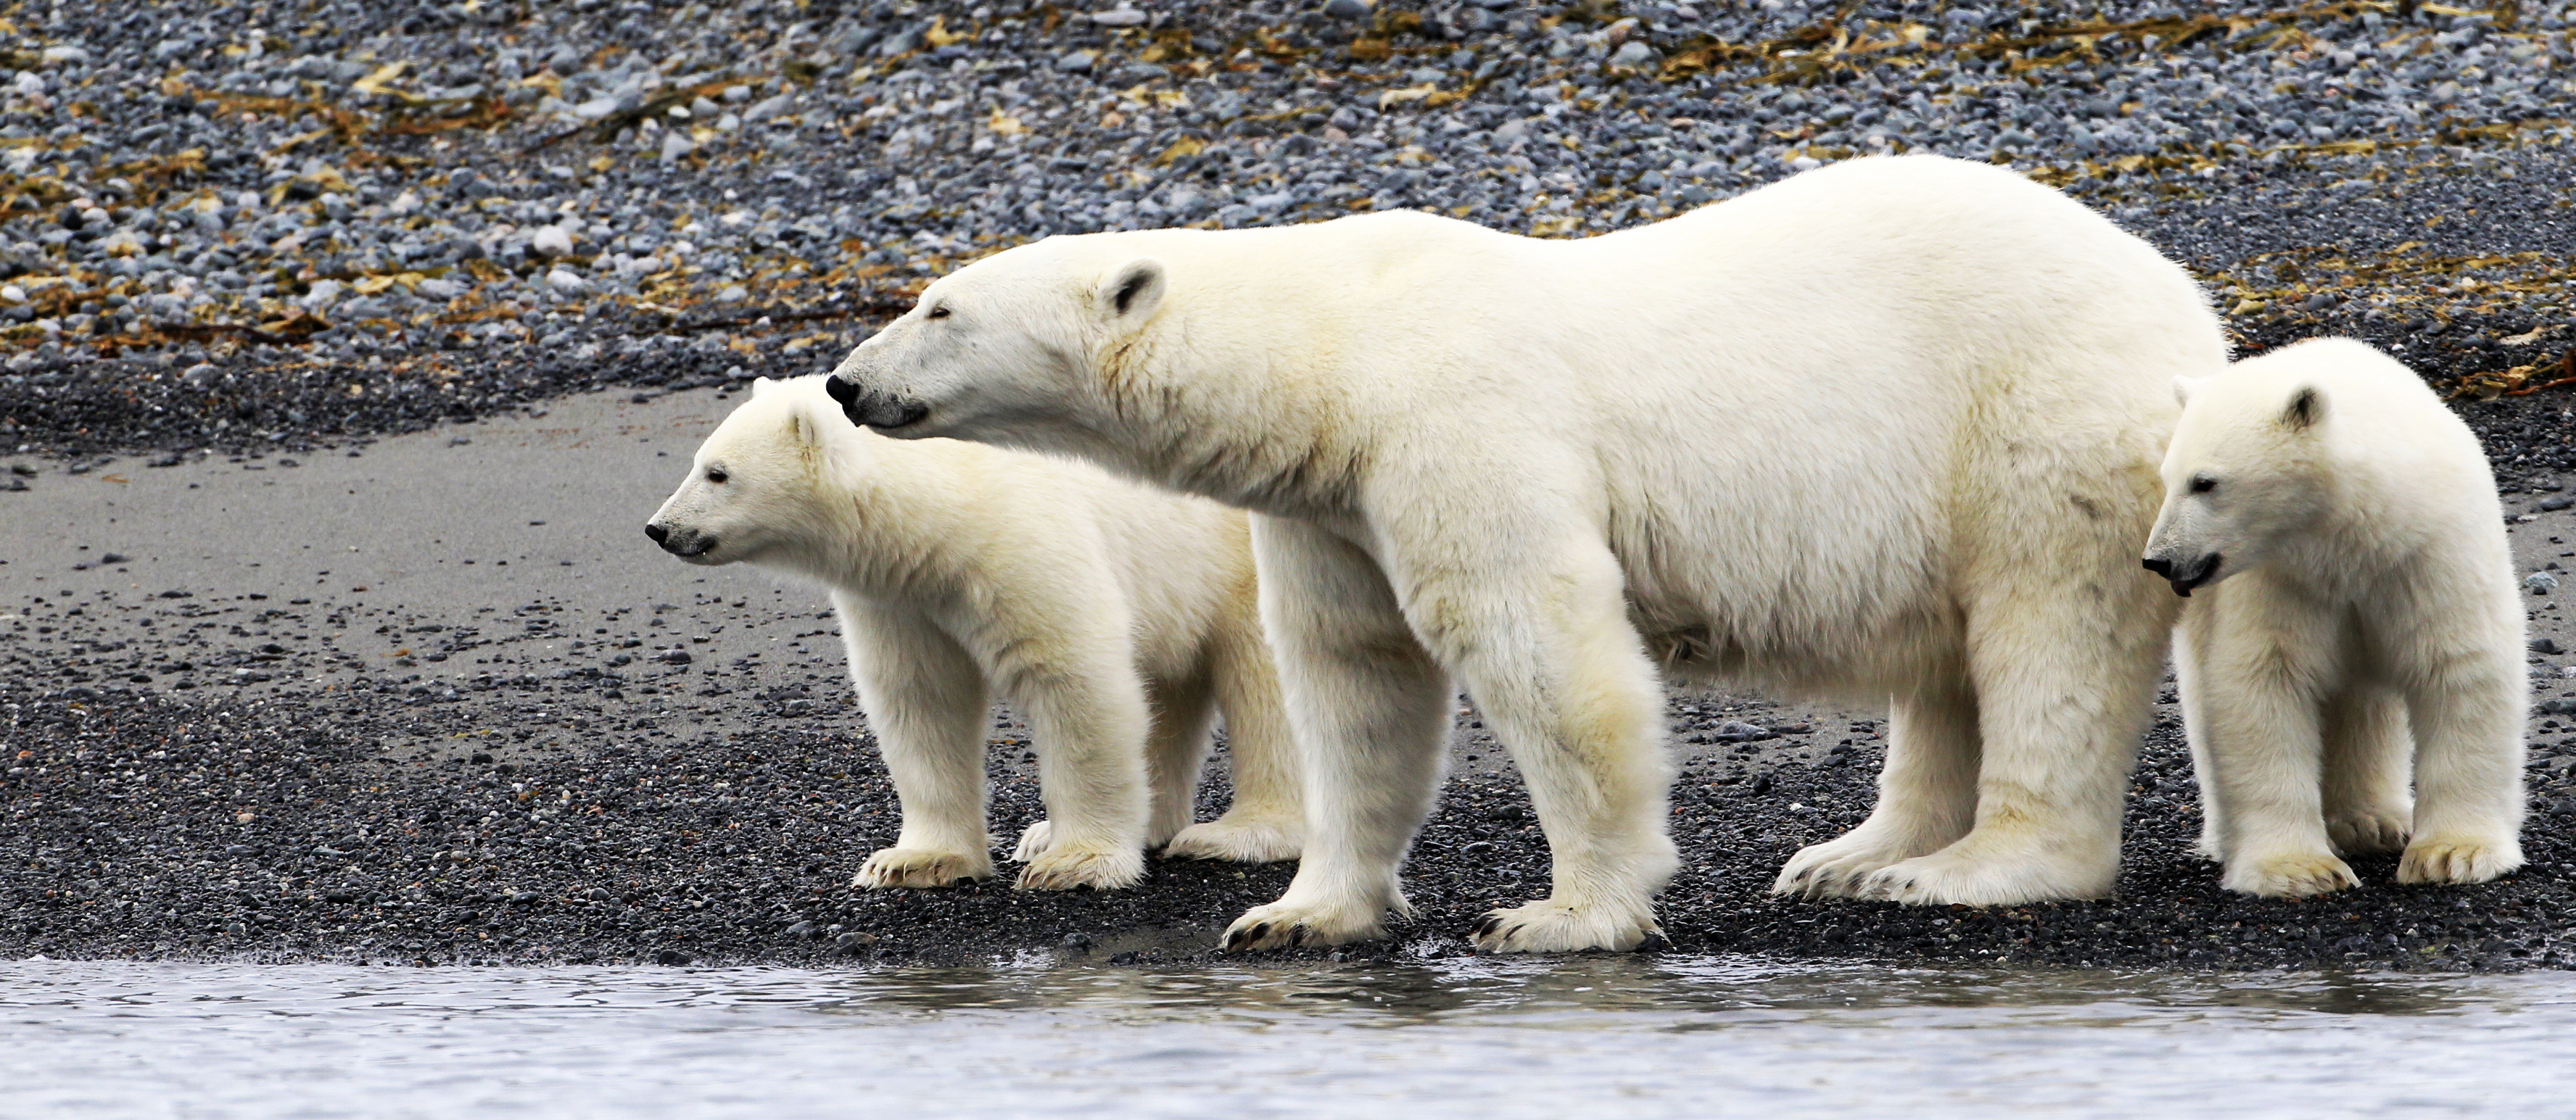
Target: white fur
<point>1110,615</point>
<point>2367,623</point>
<point>1886,428</point>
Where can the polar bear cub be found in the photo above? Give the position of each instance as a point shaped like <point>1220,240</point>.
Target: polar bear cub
<point>2368,622</point>
<point>1111,616</point>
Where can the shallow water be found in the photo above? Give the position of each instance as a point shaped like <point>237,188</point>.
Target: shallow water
<point>1585,1037</point>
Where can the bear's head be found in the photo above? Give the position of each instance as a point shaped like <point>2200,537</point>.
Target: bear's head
<point>1011,349</point>
<point>2247,472</point>
<point>755,489</point>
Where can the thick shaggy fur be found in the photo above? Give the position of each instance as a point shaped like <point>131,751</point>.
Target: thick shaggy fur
<point>2368,624</point>
<point>1112,616</point>
<point>1886,428</point>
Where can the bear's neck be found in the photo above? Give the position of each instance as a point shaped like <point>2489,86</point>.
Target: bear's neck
<point>1240,425</point>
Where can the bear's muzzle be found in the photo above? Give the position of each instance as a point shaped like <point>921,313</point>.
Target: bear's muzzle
<point>2185,574</point>
<point>870,408</point>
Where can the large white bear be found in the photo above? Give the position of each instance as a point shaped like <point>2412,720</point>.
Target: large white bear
<point>1111,616</point>
<point>2368,623</point>
<point>1888,428</point>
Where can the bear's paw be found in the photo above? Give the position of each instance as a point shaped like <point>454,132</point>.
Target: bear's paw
<point>1034,841</point>
<point>1837,868</point>
<point>1065,867</point>
<point>1999,872</point>
<point>2458,859</point>
<point>1250,840</point>
<point>2289,875</point>
<point>1548,926</point>
<point>2363,833</point>
<point>1288,925</point>
<point>921,867</point>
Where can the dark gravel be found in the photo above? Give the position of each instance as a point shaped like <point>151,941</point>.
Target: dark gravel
<point>288,246</point>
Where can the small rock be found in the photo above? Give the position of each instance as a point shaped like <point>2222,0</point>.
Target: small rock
<point>2542,583</point>
<point>673,657</point>
<point>1347,9</point>
<point>2322,301</point>
<point>551,241</point>
<point>671,957</point>
<point>1635,55</point>
<point>1119,17</point>
<point>2553,505</point>
<point>563,280</point>
<point>1075,62</point>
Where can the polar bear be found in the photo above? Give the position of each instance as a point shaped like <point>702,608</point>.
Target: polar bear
<point>1110,615</point>
<point>1885,428</point>
<point>2368,622</point>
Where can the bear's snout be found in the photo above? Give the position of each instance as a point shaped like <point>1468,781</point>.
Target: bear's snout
<point>684,543</point>
<point>871,408</point>
<point>2185,574</point>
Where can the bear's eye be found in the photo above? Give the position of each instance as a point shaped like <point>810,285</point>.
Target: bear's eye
<point>2202,484</point>
<point>939,313</point>
<point>716,474</point>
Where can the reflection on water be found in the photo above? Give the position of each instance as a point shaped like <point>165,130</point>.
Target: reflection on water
<point>1588,1037</point>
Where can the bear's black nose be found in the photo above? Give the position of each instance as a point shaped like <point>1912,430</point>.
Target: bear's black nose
<point>658,533</point>
<point>841,390</point>
<point>2160,567</point>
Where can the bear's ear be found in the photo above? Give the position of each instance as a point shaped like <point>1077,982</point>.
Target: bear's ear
<point>761,385</point>
<point>2306,407</point>
<point>2183,389</point>
<point>1134,291</point>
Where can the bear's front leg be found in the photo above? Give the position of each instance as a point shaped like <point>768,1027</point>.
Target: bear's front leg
<point>2467,719</point>
<point>1541,638</point>
<point>1369,710</point>
<point>2261,663</point>
<point>925,698</point>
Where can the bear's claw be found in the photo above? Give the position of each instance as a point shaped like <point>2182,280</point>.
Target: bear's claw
<point>2457,859</point>
<point>2290,875</point>
<point>920,867</point>
<point>1282,925</point>
<point>1069,868</point>
<point>1554,927</point>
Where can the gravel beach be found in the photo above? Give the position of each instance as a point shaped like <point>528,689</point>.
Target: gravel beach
<point>344,349</point>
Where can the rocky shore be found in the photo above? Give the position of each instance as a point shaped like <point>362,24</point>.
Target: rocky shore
<point>242,242</point>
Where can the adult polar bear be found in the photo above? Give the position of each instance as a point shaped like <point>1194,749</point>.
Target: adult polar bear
<point>1891,426</point>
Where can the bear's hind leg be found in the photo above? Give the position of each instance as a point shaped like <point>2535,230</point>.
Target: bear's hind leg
<point>1176,751</point>
<point>2064,647</point>
<point>1266,822</point>
<point>1927,795</point>
<point>1087,717</point>
<point>2369,763</point>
